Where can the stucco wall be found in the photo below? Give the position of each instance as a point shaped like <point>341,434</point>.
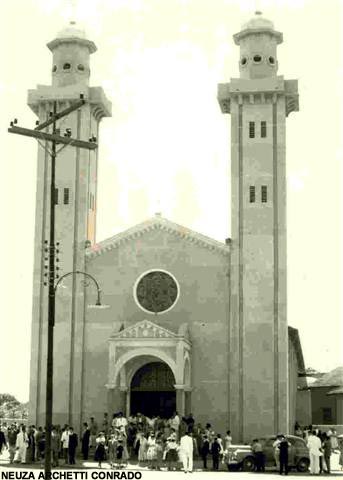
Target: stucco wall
<point>203,303</point>
<point>321,400</point>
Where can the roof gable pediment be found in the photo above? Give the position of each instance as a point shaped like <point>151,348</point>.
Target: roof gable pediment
<point>145,329</point>
<point>162,224</point>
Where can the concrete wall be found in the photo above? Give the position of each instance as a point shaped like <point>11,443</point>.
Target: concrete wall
<point>259,335</point>
<point>303,409</point>
<point>320,400</point>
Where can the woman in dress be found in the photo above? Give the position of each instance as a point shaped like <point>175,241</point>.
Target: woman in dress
<point>122,437</point>
<point>171,454</point>
<point>100,443</point>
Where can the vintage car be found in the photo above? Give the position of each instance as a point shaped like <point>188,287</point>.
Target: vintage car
<point>242,457</point>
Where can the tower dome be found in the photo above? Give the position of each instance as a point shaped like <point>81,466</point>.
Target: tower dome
<point>71,50</point>
<point>258,22</point>
<point>258,47</point>
<point>72,33</point>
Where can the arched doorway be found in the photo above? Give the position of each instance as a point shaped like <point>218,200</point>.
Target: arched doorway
<point>152,390</point>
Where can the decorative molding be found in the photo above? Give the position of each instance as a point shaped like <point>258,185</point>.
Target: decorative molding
<point>265,90</point>
<point>110,386</point>
<point>157,223</point>
<point>145,329</point>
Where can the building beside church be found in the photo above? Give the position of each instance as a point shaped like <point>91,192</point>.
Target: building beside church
<point>327,398</point>
<point>193,324</point>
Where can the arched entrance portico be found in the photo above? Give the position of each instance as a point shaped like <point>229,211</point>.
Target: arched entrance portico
<point>149,365</point>
<point>152,390</point>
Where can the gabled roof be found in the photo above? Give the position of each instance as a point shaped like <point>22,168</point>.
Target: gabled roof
<point>330,379</point>
<point>157,223</point>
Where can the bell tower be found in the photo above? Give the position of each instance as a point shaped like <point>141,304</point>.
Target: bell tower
<point>259,102</point>
<point>75,221</point>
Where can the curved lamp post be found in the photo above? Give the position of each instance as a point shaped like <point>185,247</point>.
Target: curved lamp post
<point>98,303</point>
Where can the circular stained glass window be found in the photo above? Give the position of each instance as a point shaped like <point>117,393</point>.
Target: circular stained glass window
<point>156,291</point>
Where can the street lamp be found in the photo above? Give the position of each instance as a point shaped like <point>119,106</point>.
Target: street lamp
<point>98,303</point>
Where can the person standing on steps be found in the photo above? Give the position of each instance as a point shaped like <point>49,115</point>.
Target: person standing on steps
<point>186,452</point>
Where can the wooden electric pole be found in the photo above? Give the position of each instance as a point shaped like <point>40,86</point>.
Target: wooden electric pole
<point>55,139</point>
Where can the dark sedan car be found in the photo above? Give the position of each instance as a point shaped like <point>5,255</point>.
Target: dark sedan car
<point>242,456</point>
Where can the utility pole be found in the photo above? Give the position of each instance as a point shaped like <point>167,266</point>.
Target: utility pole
<point>56,139</point>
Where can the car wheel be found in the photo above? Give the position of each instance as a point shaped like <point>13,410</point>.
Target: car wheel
<point>248,464</point>
<point>303,464</point>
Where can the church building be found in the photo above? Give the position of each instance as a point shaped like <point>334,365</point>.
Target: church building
<point>192,324</point>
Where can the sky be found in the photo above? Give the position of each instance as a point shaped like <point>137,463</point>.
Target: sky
<point>166,147</point>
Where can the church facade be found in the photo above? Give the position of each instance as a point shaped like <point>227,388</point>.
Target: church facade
<point>192,324</point>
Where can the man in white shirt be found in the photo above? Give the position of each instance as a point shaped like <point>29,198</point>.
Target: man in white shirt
<point>65,443</point>
<point>314,445</point>
<point>121,421</point>
<point>277,451</point>
<point>22,444</point>
<point>186,452</point>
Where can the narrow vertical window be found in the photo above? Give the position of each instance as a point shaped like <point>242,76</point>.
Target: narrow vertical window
<point>263,129</point>
<point>56,196</point>
<point>251,129</point>
<point>264,197</point>
<point>252,194</point>
<point>66,196</point>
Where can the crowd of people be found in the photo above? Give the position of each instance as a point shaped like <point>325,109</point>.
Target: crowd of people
<point>156,443</point>
<point>153,442</point>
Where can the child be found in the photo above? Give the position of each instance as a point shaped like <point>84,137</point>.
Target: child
<point>215,450</point>
<point>152,451</point>
<point>142,451</point>
<point>100,448</point>
<point>159,453</point>
<point>205,450</point>
<point>112,449</point>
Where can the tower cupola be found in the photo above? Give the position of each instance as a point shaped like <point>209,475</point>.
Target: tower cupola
<point>71,50</point>
<point>258,48</point>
